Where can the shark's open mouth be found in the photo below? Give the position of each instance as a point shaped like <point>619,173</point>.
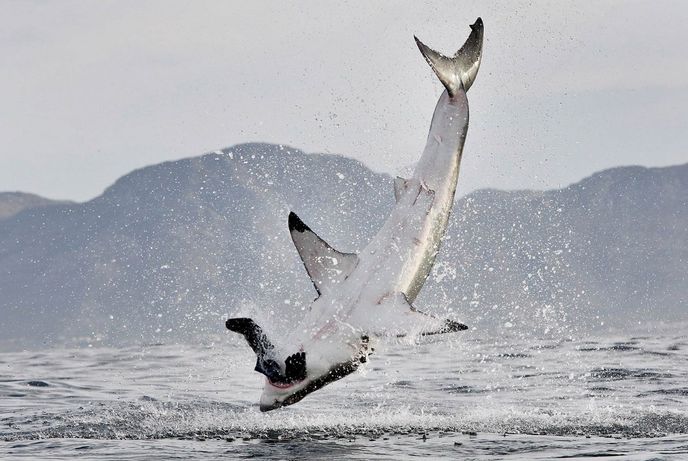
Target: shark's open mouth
<point>283,385</point>
<point>335,373</point>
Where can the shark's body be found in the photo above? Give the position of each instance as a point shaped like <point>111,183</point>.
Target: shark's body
<point>367,296</point>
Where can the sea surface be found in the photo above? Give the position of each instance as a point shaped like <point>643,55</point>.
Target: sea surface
<point>607,397</point>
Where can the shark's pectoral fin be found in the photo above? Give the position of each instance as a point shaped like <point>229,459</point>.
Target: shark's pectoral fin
<point>394,316</point>
<point>447,326</point>
<point>326,266</point>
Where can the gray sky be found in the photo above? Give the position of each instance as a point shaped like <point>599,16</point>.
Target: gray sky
<point>92,90</point>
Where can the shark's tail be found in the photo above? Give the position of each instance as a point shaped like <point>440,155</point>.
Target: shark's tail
<point>266,363</point>
<point>461,69</point>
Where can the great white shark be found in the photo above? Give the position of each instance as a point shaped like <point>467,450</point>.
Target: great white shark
<point>367,296</point>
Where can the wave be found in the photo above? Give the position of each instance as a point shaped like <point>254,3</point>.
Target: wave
<point>149,419</point>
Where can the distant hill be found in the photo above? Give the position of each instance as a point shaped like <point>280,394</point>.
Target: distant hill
<point>12,203</point>
<point>610,249</point>
<point>169,250</point>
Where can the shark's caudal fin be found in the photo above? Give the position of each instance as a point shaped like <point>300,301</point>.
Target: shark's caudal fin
<point>326,266</point>
<point>395,316</point>
<point>294,365</point>
<point>461,69</point>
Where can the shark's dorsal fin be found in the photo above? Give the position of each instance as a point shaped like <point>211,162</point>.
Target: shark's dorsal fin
<point>326,266</point>
<point>395,316</point>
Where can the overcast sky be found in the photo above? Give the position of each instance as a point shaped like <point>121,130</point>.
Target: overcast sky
<point>91,90</point>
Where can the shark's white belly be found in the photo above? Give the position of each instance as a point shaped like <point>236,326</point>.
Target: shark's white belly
<point>401,255</point>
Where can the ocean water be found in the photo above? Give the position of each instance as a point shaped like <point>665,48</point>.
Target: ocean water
<point>473,397</point>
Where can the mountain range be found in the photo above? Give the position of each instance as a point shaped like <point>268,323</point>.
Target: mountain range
<point>169,250</point>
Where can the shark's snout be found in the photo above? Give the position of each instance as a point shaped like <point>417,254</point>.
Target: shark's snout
<point>270,405</point>
<point>277,395</point>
